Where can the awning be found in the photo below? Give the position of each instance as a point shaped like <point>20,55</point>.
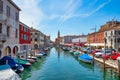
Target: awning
<point>68,45</point>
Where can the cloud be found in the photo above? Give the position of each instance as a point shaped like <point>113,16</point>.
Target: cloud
<point>99,7</point>
<point>31,13</point>
<point>73,6</point>
<point>70,11</point>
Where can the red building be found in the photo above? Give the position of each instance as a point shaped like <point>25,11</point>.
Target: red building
<point>24,37</point>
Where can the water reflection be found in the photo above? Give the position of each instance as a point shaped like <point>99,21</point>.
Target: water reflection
<point>58,50</point>
<point>35,66</point>
<point>61,65</point>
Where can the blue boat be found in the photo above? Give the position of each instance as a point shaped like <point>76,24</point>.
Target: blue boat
<point>11,63</point>
<point>85,58</point>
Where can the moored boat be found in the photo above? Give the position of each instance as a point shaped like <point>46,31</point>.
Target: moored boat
<point>30,60</point>
<point>85,58</point>
<point>66,49</point>
<point>6,73</point>
<point>25,63</point>
<point>38,55</point>
<point>76,53</point>
<point>16,67</point>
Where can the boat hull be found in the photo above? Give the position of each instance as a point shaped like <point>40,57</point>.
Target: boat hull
<point>85,60</point>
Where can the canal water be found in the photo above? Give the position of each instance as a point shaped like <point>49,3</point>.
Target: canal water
<point>60,65</point>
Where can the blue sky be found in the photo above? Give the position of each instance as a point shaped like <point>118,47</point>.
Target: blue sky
<point>71,17</point>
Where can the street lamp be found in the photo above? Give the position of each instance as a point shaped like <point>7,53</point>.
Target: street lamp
<point>105,41</point>
<point>94,40</point>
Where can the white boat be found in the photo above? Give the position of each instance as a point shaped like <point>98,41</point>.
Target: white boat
<point>6,73</point>
<point>38,55</point>
<point>32,57</point>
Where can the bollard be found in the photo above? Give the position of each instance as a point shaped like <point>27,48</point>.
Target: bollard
<point>18,59</point>
<point>118,59</point>
<point>104,64</point>
<point>93,59</point>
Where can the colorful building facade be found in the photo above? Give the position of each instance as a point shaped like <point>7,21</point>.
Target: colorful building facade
<point>9,28</point>
<point>24,38</point>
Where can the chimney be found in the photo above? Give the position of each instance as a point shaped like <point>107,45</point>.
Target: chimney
<point>112,22</point>
<point>116,22</point>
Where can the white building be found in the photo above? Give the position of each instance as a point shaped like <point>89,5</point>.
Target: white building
<point>9,25</point>
<point>112,37</point>
<point>82,39</point>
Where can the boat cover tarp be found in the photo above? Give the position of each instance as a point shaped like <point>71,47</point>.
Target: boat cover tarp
<point>10,61</point>
<point>85,56</point>
<point>6,73</point>
<point>21,61</point>
<point>76,53</point>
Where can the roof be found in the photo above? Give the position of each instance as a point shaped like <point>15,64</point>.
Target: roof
<point>34,30</point>
<point>14,5</point>
<point>21,23</point>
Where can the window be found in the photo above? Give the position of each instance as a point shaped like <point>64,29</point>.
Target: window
<point>115,32</point>
<point>17,16</point>
<point>16,33</point>
<point>0,28</point>
<point>36,33</point>
<point>1,6</point>
<point>8,31</point>
<point>118,32</point>
<point>111,33</point>
<point>35,39</point>
<point>106,33</point>
<point>8,11</point>
<point>118,40</point>
<point>25,37</point>
<point>25,29</point>
<point>115,41</point>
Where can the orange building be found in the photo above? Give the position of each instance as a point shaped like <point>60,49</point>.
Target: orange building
<point>97,38</point>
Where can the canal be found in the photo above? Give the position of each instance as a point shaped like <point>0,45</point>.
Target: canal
<point>60,65</point>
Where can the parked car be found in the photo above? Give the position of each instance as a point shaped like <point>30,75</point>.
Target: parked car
<point>88,50</point>
<point>101,53</point>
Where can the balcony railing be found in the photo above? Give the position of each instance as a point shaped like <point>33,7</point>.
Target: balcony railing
<point>3,38</point>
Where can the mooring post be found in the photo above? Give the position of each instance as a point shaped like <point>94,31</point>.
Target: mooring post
<point>18,58</point>
<point>118,60</point>
<point>93,59</point>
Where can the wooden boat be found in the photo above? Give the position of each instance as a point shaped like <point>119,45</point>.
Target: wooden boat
<point>25,63</point>
<point>30,60</point>
<point>85,58</point>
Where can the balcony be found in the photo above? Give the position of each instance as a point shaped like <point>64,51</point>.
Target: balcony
<point>3,38</point>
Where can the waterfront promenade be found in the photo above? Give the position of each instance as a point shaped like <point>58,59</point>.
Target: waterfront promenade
<point>109,63</point>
